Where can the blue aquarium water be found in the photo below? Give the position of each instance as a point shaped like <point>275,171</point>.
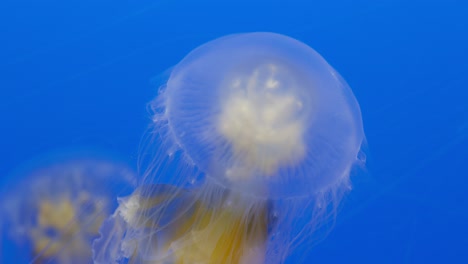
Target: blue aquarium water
<point>80,75</point>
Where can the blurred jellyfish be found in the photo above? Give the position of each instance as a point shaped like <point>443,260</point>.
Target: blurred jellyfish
<point>53,211</point>
<point>253,141</point>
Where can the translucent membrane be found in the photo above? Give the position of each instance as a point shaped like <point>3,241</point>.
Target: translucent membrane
<point>253,140</point>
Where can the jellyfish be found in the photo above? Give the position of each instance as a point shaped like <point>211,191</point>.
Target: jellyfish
<point>253,140</point>
<point>52,211</point>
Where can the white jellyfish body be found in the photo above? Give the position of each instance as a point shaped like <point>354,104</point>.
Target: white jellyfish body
<point>263,134</point>
<point>53,211</point>
<point>267,109</point>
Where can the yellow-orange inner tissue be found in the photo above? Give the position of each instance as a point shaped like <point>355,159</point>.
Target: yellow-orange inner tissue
<point>55,209</point>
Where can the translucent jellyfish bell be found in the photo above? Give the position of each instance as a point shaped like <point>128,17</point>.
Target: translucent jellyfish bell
<point>266,112</point>
<point>54,209</point>
<point>256,135</point>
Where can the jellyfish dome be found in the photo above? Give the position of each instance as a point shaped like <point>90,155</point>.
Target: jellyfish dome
<point>52,211</point>
<point>265,112</point>
<point>257,134</point>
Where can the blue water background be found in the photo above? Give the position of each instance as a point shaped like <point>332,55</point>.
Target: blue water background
<point>77,73</point>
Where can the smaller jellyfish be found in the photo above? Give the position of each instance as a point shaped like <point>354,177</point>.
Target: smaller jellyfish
<point>253,143</point>
<point>53,210</point>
